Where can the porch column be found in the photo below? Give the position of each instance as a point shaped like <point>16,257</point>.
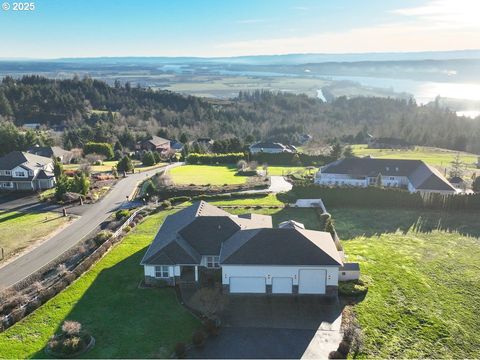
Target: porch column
<point>196,273</point>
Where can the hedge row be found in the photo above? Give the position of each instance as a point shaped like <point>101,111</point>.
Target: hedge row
<point>382,197</point>
<point>212,159</point>
<point>298,159</point>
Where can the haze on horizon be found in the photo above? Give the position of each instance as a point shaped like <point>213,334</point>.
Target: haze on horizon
<point>215,28</point>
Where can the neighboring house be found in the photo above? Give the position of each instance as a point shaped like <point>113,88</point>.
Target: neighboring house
<point>458,182</point>
<point>65,156</point>
<point>176,146</point>
<point>25,171</point>
<point>205,141</point>
<point>31,126</point>
<point>245,251</point>
<point>271,148</point>
<point>155,143</point>
<point>414,175</point>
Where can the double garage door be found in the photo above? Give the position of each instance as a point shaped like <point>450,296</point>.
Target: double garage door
<point>310,282</point>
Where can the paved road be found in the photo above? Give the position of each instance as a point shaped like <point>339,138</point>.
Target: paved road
<point>39,256</point>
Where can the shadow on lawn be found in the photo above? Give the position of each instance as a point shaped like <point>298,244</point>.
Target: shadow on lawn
<point>353,222</point>
<point>128,322</point>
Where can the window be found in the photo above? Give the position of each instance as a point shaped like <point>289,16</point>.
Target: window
<point>19,173</point>
<point>392,178</point>
<point>8,172</point>
<point>161,271</point>
<point>343,273</point>
<point>212,261</point>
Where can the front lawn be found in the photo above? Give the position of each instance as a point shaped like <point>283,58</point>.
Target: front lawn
<point>441,158</point>
<point>423,283</point>
<point>18,229</point>
<point>206,174</point>
<point>127,322</point>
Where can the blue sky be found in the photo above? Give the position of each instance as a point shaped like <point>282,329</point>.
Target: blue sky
<point>90,28</point>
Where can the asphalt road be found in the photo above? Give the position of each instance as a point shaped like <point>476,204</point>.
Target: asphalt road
<point>47,251</point>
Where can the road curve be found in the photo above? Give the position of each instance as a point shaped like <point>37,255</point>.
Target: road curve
<point>49,250</point>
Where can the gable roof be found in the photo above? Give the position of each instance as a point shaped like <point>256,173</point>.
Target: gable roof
<point>420,175</point>
<point>49,151</point>
<point>157,141</point>
<point>188,228</point>
<point>285,246</point>
<point>17,158</point>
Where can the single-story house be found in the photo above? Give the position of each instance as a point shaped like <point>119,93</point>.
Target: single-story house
<point>457,182</point>
<point>154,143</point>
<point>414,175</point>
<point>271,148</point>
<point>25,171</point>
<point>245,251</point>
<point>65,156</point>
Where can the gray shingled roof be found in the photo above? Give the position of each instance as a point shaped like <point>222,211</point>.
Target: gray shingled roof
<point>280,247</point>
<point>49,151</point>
<point>199,230</point>
<point>17,158</point>
<point>157,141</point>
<point>421,175</point>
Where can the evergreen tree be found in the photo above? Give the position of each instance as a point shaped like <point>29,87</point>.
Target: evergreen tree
<point>348,152</point>
<point>125,164</point>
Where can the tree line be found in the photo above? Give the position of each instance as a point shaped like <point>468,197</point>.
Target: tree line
<point>92,111</point>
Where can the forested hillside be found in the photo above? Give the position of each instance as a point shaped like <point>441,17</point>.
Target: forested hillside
<point>91,110</point>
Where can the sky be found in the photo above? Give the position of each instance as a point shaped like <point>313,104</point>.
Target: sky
<point>211,28</point>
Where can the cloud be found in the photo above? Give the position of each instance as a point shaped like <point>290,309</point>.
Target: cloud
<point>436,25</point>
<point>445,13</point>
<point>382,38</point>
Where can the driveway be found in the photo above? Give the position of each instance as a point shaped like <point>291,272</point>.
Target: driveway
<point>275,327</point>
<point>93,216</point>
<point>278,184</point>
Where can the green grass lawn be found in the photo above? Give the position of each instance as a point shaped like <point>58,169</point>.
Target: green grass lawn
<point>422,270</point>
<point>206,174</point>
<point>434,156</point>
<point>127,322</point>
<point>266,200</point>
<point>105,167</point>
<point>16,228</point>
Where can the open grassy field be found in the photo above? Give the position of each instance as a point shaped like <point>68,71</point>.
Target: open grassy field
<point>16,228</point>
<point>440,158</point>
<point>423,281</point>
<point>127,322</point>
<point>106,166</point>
<point>206,174</point>
<point>267,200</point>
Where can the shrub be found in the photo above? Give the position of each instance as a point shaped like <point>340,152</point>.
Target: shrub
<point>104,149</point>
<point>352,288</point>
<point>71,328</point>
<point>343,348</point>
<point>120,214</point>
<point>180,350</point>
<point>335,355</point>
<point>166,204</point>
<point>102,236</point>
<point>198,338</point>
<point>127,229</point>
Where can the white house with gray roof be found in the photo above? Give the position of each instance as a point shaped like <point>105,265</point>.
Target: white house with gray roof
<point>246,251</point>
<point>24,171</point>
<point>414,175</point>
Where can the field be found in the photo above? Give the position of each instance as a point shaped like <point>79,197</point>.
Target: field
<point>16,229</point>
<point>127,322</point>
<point>440,158</point>
<point>206,174</point>
<point>423,283</point>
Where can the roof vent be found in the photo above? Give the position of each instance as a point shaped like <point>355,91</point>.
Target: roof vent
<point>396,169</point>
<point>387,168</point>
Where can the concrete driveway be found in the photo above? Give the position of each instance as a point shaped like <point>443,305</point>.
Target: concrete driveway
<point>275,327</point>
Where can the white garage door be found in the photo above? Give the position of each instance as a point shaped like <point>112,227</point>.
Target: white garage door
<point>255,285</point>
<point>312,281</point>
<point>281,285</point>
